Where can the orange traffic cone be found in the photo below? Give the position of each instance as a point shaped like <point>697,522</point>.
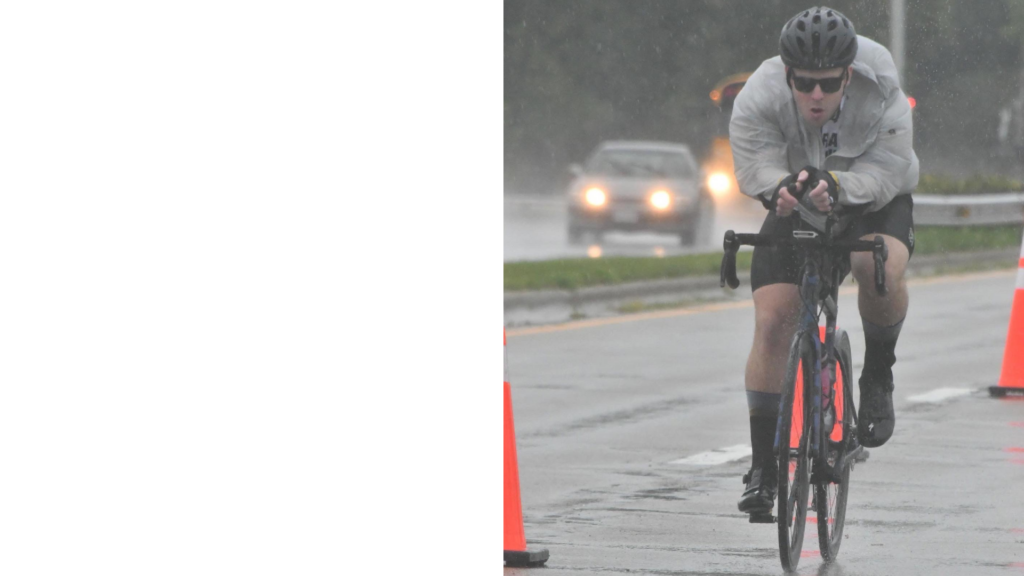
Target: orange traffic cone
<point>1011,381</point>
<point>516,553</point>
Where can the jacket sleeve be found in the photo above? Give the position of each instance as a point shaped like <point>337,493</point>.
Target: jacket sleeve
<point>878,175</point>
<point>758,145</point>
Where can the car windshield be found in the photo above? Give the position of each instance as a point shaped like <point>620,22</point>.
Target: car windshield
<point>651,163</point>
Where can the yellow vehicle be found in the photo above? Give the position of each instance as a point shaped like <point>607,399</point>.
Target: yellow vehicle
<point>718,166</point>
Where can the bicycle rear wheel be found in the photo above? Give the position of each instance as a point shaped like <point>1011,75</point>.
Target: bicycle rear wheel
<point>794,452</point>
<point>830,497</point>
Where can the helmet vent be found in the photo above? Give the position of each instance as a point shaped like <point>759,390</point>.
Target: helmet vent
<point>817,39</point>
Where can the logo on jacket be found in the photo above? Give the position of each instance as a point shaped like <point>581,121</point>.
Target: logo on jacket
<point>830,141</point>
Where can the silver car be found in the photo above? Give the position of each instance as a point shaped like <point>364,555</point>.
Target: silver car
<point>640,186</point>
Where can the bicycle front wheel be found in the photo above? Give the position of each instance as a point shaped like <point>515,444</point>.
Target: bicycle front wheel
<point>830,495</point>
<point>794,451</point>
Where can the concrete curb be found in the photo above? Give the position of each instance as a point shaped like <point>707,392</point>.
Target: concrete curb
<point>681,288</point>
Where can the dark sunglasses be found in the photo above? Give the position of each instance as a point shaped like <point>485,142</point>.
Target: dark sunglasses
<point>828,85</point>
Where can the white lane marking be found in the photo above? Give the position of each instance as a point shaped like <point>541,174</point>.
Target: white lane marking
<point>940,395</point>
<point>715,457</point>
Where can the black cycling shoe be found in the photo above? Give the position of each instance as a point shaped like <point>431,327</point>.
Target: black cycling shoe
<point>876,416</point>
<point>762,484</point>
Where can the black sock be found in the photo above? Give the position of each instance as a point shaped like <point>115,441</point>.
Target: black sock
<point>764,416</point>
<point>880,350</point>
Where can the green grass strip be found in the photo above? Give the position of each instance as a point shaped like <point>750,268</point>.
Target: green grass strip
<point>935,239</point>
<point>575,273</point>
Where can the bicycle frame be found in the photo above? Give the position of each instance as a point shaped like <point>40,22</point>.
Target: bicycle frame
<point>818,392</point>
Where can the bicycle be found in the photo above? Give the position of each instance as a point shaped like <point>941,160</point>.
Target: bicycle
<point>819,420</point>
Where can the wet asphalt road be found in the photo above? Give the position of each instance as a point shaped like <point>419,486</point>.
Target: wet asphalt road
<point>604,408</point>
<point>535,229</point>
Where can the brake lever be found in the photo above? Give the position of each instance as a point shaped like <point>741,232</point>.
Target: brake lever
<point>880,254</point>
<point>727,273</point>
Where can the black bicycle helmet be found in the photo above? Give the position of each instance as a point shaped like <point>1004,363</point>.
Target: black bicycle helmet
<point>817,39</point>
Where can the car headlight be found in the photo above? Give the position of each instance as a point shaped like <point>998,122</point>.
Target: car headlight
<point>719,183</point>
<point>595,197</point>
<point>661,199</point>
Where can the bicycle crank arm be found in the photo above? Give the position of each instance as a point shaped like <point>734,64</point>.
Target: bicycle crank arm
<point>859,454</point>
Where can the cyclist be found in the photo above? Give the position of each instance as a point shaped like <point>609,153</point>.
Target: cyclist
<point>828,116</point>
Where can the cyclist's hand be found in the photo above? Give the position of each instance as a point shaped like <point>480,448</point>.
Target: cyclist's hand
<point>783,201</point>
<point>786,203</point>
<point>825,200</point>
<point>820,196</point>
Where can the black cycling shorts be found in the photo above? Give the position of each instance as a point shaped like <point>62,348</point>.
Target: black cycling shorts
<point>781,264</point>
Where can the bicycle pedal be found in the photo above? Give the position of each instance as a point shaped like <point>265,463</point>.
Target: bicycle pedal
<point>762,518</point>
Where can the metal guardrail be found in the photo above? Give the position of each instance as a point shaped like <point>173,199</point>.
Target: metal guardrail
<point>969,209</point>
<point>929,209</point>
<point>523,204</point>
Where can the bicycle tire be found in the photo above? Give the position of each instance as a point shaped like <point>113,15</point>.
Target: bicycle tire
<point>830,498</point>
<point>794,452</point>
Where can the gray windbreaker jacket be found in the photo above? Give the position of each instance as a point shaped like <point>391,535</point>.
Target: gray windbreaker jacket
<point>875,161</point>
